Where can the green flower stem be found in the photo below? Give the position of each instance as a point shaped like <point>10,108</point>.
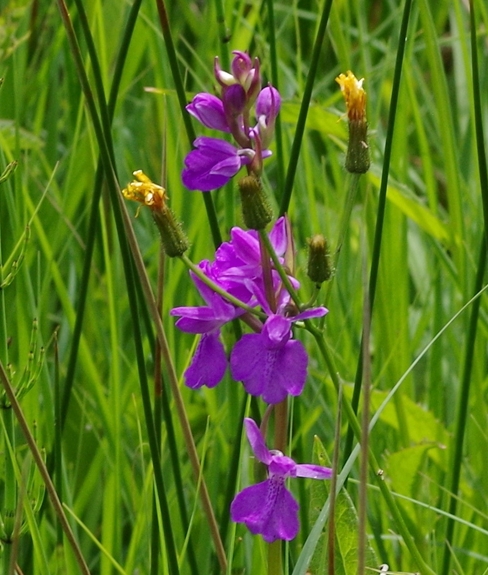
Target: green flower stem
<point>224,34</point>
<point>274,558</point>
<point>353,181</point>
<point>302,117</point>
<point>355,426</point>
<point>56,503</point>
<point>375,258</point>
<point>180,92</point>
<point>267,276</point>
<point>280,440</point>
<point>279,268</point>
<point>273,56</point>
<point>217,289</point>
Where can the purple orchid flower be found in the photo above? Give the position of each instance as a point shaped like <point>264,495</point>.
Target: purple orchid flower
<point>268,106</point>
<point>206,320</point>
<point>270,364</point>
<point>213,163</point>
<point>209,110</point>
<point>268,508</point>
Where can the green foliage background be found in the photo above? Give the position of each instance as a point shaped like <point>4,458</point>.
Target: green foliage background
<point>433,231</point>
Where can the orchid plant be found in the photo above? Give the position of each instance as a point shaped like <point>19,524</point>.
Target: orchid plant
<point>250,279</point>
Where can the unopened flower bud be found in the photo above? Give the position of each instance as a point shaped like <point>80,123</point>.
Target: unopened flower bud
<point>154,197</point>
<point>319,266</point>
<point>256,209</point>
<point>357,157</point>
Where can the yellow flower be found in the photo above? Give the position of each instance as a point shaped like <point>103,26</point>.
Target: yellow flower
<point>150,194</point>
<point>146,192</point>
<point>354,94</point>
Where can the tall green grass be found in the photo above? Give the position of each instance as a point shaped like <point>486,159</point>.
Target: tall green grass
<point>86,100</point>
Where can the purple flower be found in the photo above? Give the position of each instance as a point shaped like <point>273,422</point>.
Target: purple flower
<point>212,164</point>
<point>268,105</point>
<point>270,364</point>
<point>209,110</point>
<point>209,363</point>
<point>268,508</point>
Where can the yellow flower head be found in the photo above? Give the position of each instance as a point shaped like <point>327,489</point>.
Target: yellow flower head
<point>355,96</point>
<point>146,192</point>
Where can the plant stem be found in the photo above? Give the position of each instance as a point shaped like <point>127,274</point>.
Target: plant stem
<point>464,390</point>
<point>217,289</point>
<point>58,508</point>
<point>375,258</point>
<point>302,117</point>
<point>274,558</point>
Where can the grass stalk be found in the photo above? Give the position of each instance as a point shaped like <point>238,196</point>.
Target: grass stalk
<point>180,92</point>
<point>51,491</point>
<point>130,283</point>
<point>464,390</point>
<point>375,258</point>
<point>302,117</point>
<point>273,56</point>
<point>93,220</point>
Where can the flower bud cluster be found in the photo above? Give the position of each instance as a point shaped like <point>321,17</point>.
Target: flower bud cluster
<point>215,161</point>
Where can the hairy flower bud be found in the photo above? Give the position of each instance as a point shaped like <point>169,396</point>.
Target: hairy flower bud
<point>154,197</point>
<point>319,268</point>
<point>256,209</point>
<point>357,157</point>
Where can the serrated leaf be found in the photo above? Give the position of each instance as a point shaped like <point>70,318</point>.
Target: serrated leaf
<point>430,431</point>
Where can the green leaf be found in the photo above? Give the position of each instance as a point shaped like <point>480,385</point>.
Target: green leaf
<point>346,527</point>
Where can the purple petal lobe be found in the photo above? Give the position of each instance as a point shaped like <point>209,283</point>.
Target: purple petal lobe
<point>269,373</point>
<point>209,110</point>
<point>256,441</point>
<point>211,164</point>
<point>208,364</point>
<point>268,509</point>
<point>313,471</point>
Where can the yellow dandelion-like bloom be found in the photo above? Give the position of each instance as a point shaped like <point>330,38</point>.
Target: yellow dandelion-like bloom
<point>354,94</point>
<point>146,192</point>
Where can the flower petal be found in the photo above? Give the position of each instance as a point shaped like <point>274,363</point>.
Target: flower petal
<point>209,110</point>
<point>208,364</point>
<point>268,509</point>
<point>313,471</point>
<point>211,164</point>
<point>256,441</point>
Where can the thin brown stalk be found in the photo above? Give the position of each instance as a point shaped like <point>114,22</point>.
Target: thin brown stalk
<point>173,381</point>
<point>53,496</point>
